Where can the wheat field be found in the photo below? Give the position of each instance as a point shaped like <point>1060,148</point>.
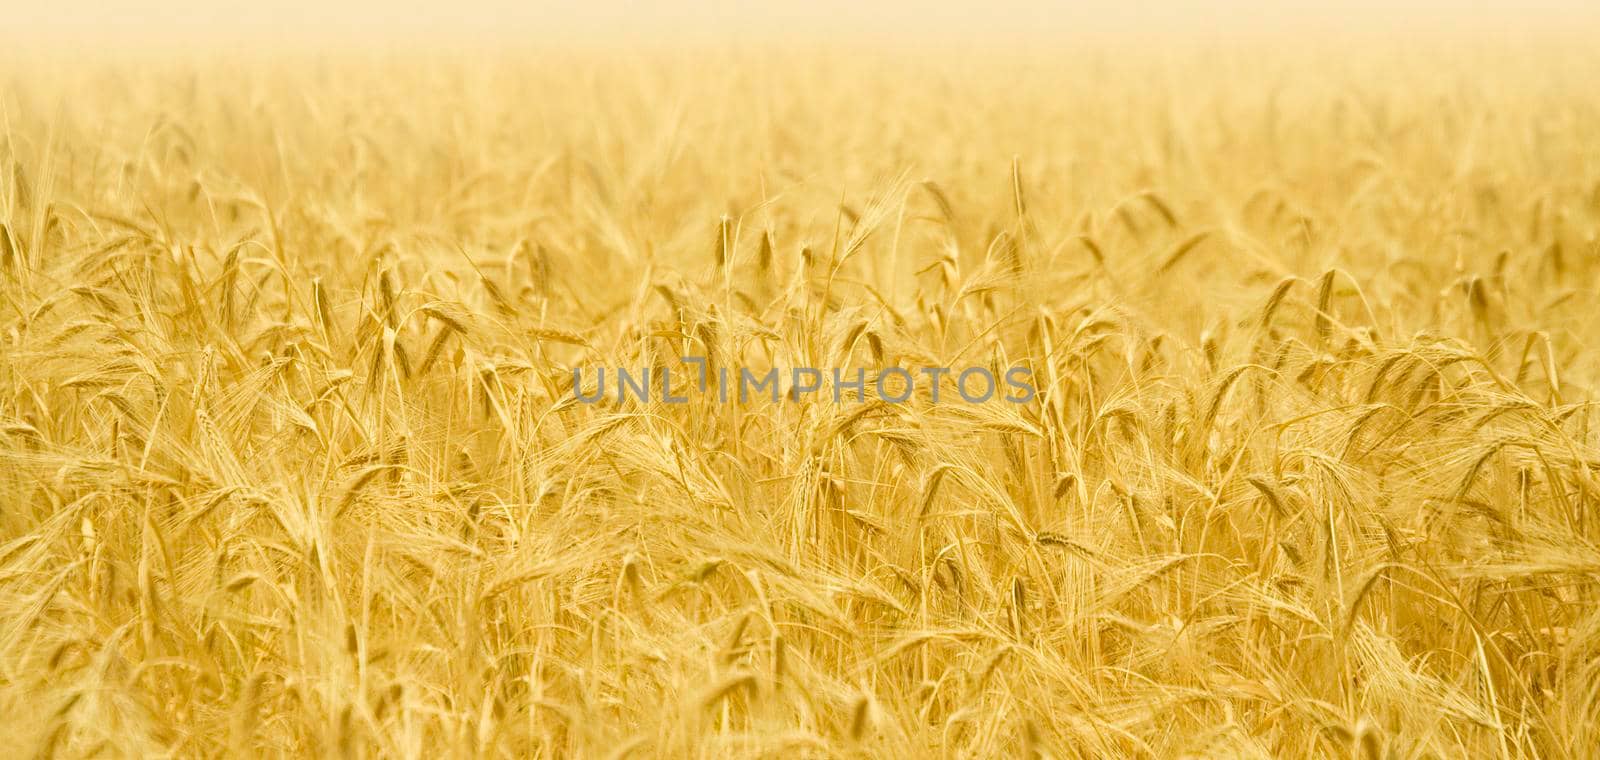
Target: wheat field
<point>291,461</point>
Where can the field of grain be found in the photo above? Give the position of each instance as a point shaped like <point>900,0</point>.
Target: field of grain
<point>291,464</point>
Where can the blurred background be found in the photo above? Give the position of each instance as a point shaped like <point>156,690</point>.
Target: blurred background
<point>111,24</point>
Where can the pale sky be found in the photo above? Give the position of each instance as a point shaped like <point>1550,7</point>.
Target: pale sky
<point>319,22</point>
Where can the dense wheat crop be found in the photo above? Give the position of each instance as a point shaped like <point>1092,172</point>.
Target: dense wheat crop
<point>291,461</point>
